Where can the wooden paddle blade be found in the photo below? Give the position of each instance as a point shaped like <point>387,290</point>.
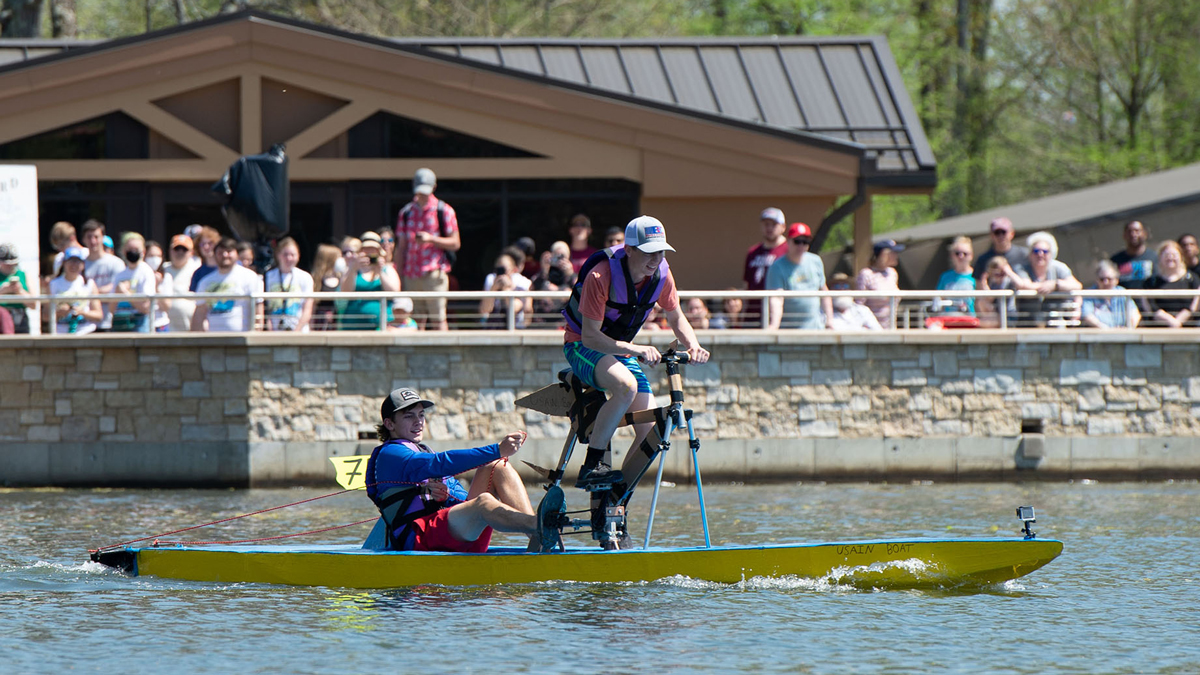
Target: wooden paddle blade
<point>541,470</point>
<point>553,400</point>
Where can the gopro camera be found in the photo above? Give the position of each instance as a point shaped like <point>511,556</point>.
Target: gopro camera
<point>1027,518</point>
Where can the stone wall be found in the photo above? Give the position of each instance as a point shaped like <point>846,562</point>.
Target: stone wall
<point>267,408</point>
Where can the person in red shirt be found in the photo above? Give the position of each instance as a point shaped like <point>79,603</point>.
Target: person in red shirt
<point>611,300</point>
<point>426,230</point>
<point>760,256</point>
<point>581,247</point>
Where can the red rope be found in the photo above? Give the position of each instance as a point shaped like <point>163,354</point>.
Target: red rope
<point>276,508</point>
<point>251,541</point>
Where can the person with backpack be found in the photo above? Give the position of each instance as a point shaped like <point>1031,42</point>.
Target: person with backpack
<point>426,240</point>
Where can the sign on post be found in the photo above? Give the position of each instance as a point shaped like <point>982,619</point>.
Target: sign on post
<point>19,225</point>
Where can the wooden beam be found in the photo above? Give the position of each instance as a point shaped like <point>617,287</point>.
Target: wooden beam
<point>152,170</point>
<point>862,235</point>
<point>179,131</point>
<point>328,128</point>
<point>251,113</point>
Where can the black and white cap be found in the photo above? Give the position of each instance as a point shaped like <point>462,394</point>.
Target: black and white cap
<point>400,399</point>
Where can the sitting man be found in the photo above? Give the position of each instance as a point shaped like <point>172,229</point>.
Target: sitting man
<point>424,507</point>
<point>616,290</point>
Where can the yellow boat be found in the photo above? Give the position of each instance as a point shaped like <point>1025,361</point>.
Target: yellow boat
<point>905,563</point>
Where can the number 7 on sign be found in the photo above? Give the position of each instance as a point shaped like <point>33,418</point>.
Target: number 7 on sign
<point>351,471</point>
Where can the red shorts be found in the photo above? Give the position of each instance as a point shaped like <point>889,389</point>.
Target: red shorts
<point>433,534</point>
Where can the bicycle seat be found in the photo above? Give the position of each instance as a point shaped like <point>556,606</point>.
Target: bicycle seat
<point>569,378</point>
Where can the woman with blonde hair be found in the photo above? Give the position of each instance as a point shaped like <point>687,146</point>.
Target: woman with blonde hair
<point>960,277</point>
<point>326,279</point>
<point>285,277</point>
<point>1171,273</point>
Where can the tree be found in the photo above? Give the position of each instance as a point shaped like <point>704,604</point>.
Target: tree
<point>20,18</point>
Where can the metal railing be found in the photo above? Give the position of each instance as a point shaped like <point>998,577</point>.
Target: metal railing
<point>909,309</point>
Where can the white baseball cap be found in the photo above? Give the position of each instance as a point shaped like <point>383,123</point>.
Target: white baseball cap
<point>774,214</point>
<point>647,234</point>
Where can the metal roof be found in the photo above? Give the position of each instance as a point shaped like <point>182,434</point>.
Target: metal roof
<point>844,88</point>
<point>1078,208</point>
<point>841,91</point>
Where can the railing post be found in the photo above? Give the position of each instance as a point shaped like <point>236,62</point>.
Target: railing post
<point>385,304</point>
<point>1004,312</point>
<point>510,317</point>
<point>766,312</point>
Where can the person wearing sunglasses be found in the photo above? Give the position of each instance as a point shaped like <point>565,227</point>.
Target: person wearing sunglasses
<point>1048,276</point>
<point>1171,274</point>
<point>799,270</point>
<point>1111,312</point>
<point>1003,246</point>
<point>960,277</point>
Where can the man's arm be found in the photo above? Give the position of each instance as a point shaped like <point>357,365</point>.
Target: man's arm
<point>678,322</point>
<point>412,467</point>
<point>200,318</point>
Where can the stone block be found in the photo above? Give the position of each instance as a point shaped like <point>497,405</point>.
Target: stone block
<point>364,384</point>
<point>275,377</point>
<point>106,383</point>
<point>212,411</point>
<point>203,432</point>
<point>702,375</point>
<point>856,352</point>
<point>26,417</point>
<point>1193,388</point>
<point>78,381</point>
<point>89,363</point>
<point>723,394</point>
<point>107,424</point>
<point>165,376</point>
<point>375,359</point>
<point>957,387</point>
<point>80,429</point>
<point>732,370</point>
<point>1040,411</point>
<point>124,399</point>
<point>229,385</point>
<point>909,377</point>
<point>314,379</point>
<point>314,359</point>
<point>469,374</point>
<point>1106,425</point>
<point>44,433</point>
<point>198,389</point>
<point>32,373</point>
<point>832,377</point>
<point>139,381</point>
<point>1091,398</point>
<point>285,355</point>
<point>945,363</point>
<point>212,359</point>
<point>795,368</point>
<point>495,401</point>
<point>920,402</point>
<point>236,363</point>
<point>1143,356</point>
<point>62,407</point>
<point>1084,371</point>
<point>998,381</point>
<point>820,428</point>
<point>14,395</point>
<point>769,365</point>
<point>119,361</point>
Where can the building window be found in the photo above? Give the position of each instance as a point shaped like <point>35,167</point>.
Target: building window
<point>384,135</point>
<point>113,136</point>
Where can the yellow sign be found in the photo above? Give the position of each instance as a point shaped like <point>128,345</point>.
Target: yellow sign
<point>351,471</point>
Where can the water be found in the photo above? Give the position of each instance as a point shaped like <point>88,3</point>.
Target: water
<point>1123,598</point>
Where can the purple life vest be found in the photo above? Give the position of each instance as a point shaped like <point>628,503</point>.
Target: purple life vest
<point>626,309</point>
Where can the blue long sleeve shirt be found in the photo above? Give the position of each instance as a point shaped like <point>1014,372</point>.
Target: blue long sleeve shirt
<point>397,464</point>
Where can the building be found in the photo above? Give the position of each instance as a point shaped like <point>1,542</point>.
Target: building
<point>522,133</point>
<point>1087,223</point>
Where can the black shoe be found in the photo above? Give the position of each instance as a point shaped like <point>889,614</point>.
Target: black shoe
<point>550,513</point>
<point>598,477</point>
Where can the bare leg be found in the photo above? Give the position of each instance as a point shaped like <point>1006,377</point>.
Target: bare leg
<point>643,401</point>
<point>503,482</point>
<point>615,379</point>
<point>469,519</point>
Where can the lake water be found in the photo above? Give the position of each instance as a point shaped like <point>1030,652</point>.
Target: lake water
<point>1123,598</point>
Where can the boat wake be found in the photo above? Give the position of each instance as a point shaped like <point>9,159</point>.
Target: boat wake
<point>880,576</point>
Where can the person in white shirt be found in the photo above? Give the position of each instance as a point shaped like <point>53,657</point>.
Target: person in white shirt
<point>227,314</point>
<point>102,267</point>
<point>82,316</point>
<point>180,268</point>
<point>132,316</point>
<point>285,277</point>
<point>505,277</point>
<point>849,315</point>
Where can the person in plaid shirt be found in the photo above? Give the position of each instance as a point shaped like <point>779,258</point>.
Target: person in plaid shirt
<point>426,230</point>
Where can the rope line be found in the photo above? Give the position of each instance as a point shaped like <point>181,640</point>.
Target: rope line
<point>251,541</point>
<point>156,537</point>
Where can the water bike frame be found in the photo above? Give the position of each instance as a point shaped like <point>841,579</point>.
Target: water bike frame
<point>581,403</point>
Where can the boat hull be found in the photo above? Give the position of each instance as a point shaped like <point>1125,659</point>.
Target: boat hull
<point>870,564</point>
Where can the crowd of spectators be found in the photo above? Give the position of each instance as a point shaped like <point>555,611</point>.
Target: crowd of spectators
<point>418,254</point>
